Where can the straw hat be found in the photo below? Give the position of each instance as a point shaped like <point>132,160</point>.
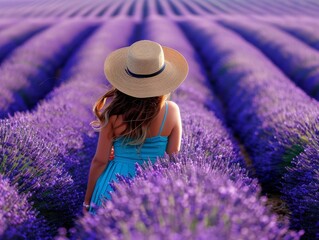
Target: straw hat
<point>145,69</point>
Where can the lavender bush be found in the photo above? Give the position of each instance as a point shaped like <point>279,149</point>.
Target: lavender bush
<point>17,218</point>
<point>26,159</point>
<point>272,133</point>
<point>34,164</point>
<point>300,187</point>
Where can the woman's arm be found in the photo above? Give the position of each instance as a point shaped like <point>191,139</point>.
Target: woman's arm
<point>174,139</point>
<point>100,159</point>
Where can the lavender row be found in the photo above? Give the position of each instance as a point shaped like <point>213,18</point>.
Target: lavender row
<point>306,31</point>
<point>29,72</point>
<point>16,34</point>
<point>60,132</point>
<point>18,220</point>
<point>274,125</point>
<point>197,8</point>
<point>299,61</point>
<point>105,9</point>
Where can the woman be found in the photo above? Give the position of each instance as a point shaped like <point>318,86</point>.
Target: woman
<point>138,120</point>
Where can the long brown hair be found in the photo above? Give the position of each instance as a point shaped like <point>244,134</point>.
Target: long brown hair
<point>137,113</point>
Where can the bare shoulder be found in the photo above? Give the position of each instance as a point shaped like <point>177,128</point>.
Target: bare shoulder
<point>174,112</point>
<point>173,106</point>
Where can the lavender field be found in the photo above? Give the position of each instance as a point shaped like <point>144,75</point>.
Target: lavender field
<point>249,161</point>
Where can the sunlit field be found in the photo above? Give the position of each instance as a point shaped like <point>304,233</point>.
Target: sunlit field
<point>249,161</point>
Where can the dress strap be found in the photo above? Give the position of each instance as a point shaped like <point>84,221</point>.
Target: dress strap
<point>164,118</point>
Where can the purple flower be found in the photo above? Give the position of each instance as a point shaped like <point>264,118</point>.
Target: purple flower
<point>17,218</point>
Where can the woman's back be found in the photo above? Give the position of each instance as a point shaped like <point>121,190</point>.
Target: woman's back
<point>153,146</point>
<point>165,127</point>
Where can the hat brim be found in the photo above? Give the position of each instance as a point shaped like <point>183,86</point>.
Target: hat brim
<point>175,72</point>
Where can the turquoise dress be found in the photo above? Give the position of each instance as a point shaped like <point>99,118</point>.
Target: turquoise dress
<point>125,157</point>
